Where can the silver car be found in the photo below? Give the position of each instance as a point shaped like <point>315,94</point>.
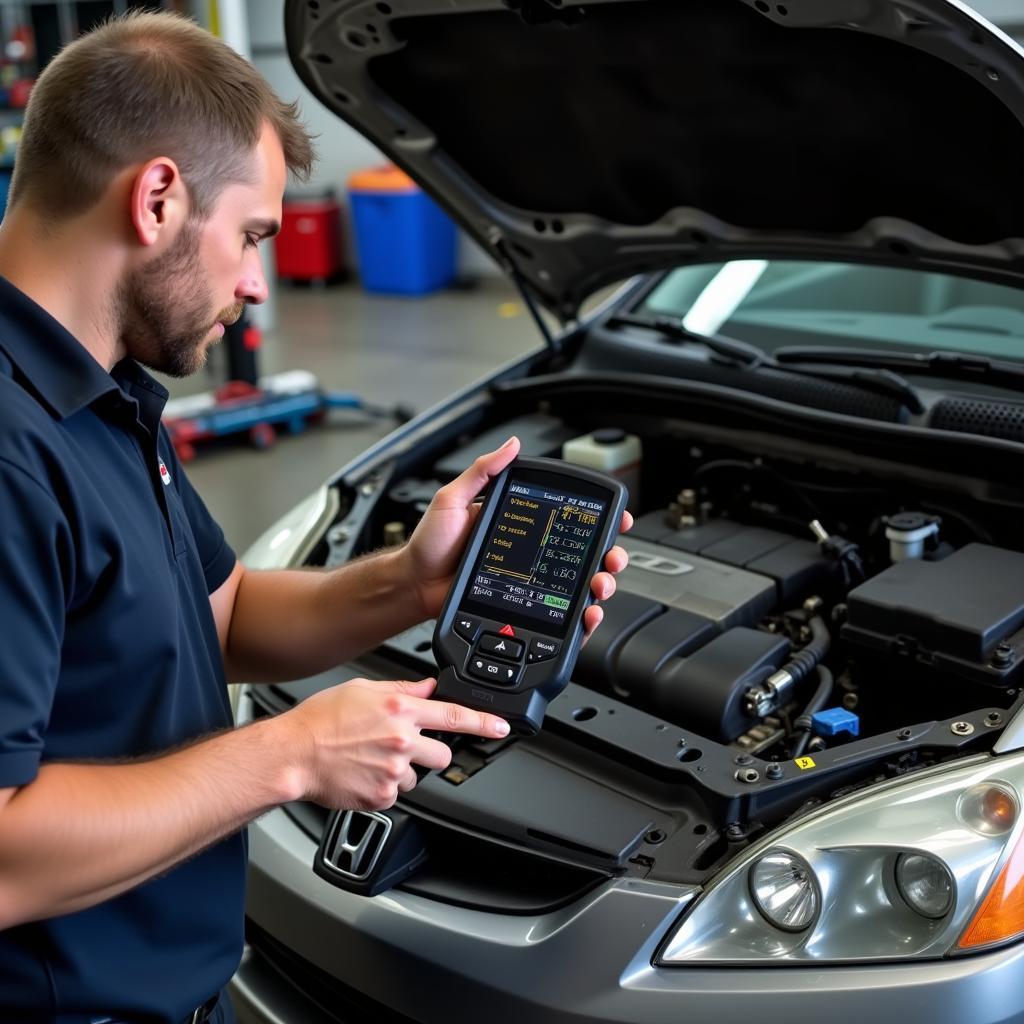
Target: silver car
<point>786,780</point>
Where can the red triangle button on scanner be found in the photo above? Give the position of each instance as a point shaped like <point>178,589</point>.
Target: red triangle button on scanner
<point>507,631</point>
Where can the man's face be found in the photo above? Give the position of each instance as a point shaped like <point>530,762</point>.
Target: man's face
<point>173,308</point>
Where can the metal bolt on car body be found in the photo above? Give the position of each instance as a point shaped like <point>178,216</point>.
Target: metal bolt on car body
<point>774,770</point>
<point>656,835</point>
<point>748,775</point>
<point>394,534</point>
<point>903,734</point>
<point>337,535</point>
<point>688,507</point>
<point>1002,656</point>
<point>993,718</point>
<point>682,513</point>
<point>961,728</point>
<point>743,759</point>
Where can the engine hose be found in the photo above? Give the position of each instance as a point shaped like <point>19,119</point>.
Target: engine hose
<point>805,661</point>
<point>769,696</point>
<point>803,723</point>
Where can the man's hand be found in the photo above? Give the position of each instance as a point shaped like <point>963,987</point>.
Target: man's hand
<point>438,541</point>
<point>357,742</point>
<point>80,834</point>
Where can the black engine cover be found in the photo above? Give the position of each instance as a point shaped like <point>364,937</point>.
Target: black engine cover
<point>705,691</point>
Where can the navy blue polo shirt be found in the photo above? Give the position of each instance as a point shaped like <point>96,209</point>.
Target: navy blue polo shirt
<point>108,650</point>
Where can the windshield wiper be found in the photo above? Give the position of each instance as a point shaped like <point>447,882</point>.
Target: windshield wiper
<point>747,356</point>
<point>952,365</point>
<point>750,357</point>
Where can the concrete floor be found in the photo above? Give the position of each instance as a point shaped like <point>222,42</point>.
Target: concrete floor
<point>388,350</point>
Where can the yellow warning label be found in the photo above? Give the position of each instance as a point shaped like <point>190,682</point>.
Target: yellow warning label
<point>803,763</point>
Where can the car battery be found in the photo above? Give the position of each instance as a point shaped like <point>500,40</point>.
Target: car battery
<point>308,246</point>
<point>962,615</point>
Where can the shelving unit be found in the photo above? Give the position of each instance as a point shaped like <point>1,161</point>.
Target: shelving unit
<point>56,22</point>
<point>53,24</point>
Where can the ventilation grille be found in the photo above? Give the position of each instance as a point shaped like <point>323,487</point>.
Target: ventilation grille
<point>831,396</point>
<point>989,418</point>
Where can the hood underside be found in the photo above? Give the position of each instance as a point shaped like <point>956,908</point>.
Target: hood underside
<point>581,143</point>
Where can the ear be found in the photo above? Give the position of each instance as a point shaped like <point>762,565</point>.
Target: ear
<point>159,201</point>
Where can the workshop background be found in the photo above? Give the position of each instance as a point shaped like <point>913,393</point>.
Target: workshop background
<point>378,302</point>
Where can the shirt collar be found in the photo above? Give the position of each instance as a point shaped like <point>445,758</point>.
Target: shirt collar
<point>59,369</point>
<point>146,390</point>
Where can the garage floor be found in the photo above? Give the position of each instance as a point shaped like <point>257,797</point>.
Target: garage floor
<point>388,350</point>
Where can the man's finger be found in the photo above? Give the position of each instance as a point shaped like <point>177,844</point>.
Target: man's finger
<point>592,619</point>
<point>627,522</point>
<point>616,560</point>
<point>444,717</point>
<point>603,585</point>
<point>465,487</point>
<point>431,753</point>
<point>409,781</point>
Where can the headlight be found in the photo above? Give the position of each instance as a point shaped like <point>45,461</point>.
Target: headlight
<point>924,867</point>
<point>784,891</point>
<point>925,884</point>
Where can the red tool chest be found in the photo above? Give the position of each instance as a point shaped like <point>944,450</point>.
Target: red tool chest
<point>308,246</point>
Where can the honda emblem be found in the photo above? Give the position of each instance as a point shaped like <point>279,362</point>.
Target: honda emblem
<point>357,843</point>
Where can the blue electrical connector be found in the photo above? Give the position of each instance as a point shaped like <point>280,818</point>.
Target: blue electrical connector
<point>833,721</point>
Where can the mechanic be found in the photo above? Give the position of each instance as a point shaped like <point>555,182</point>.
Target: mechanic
<point>152,164</point>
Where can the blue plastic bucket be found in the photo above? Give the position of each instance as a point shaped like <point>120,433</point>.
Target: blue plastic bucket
<point>405,244</point>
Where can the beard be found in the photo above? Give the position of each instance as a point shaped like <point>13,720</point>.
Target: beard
<point>164,309</point>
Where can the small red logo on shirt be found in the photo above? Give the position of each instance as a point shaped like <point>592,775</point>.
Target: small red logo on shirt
<point>164,475</point>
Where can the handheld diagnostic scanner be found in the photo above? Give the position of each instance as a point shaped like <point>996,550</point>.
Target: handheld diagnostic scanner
<point>510,631</point>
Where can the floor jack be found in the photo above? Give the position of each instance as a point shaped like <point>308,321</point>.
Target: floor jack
<point>254,407</point>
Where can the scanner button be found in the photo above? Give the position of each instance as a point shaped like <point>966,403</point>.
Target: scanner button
<point>500,647</point>
<point>499,673</point>
<point>542,650</point>
<point>466,626</point>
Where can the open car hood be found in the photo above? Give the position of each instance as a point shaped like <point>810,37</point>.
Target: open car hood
<point>580,143</point>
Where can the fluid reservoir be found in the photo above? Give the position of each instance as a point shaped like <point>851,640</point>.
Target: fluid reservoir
<point>610,450</point>
<point>908,532</point>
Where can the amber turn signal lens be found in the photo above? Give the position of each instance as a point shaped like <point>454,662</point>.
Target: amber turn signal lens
<point>988,809</point>
<point>1001,916</point>
<point>1000,809</point>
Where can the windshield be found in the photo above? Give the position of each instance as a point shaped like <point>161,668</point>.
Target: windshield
<point>771,303</point>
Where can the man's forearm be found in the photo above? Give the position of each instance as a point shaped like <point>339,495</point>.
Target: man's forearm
<point>288,624</point>
<point>80,833</point>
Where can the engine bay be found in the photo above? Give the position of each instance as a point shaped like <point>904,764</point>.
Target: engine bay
<point>788,630</point>
<point>737,568</point>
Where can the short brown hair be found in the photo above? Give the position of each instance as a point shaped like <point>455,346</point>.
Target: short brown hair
<point>145,85</point>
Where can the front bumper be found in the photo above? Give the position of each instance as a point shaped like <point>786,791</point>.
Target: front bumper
<point>589,962</point>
